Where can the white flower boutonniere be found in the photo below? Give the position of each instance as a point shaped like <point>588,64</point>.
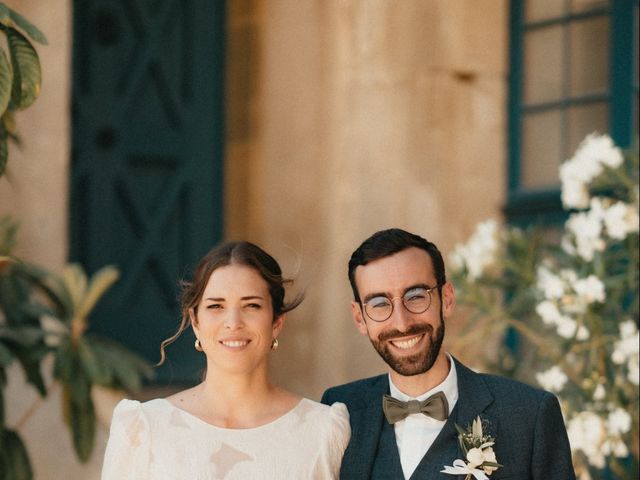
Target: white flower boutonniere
<point>480,457</point>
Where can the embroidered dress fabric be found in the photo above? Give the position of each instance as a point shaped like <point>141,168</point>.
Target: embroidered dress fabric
<point>156,440</point>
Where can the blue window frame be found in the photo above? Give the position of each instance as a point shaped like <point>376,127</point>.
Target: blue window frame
<point>573,70</point>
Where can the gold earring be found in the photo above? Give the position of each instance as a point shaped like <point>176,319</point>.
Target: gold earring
<point>197,345</point>
<point>274,344</point>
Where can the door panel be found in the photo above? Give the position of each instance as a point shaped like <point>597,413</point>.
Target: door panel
<point>146,174</point>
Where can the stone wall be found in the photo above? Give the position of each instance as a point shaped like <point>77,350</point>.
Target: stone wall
<point>372,114</point>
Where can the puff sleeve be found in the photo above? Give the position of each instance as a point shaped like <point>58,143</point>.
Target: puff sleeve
<point>336,438</point>
<point>128,450</point>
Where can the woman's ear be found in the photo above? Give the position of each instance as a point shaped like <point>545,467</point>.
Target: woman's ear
<point>193,319</point>
<point>278,323</point>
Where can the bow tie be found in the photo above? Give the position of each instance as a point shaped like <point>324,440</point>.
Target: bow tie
<point>436,406</point>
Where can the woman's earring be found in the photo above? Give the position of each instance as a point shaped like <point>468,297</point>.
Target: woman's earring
<point>274,344</point>
<point>197,345</point>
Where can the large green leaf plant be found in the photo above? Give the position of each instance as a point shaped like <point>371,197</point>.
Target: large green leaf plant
<point>43,313</point>
<point>20,73</point>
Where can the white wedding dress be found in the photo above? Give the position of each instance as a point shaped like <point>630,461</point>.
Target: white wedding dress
<point>156,440</point>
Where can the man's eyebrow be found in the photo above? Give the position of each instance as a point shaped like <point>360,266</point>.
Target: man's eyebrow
<point>374,295</point>
<point>384,294</point>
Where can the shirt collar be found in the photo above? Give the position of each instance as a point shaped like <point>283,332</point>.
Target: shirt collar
<point>449,386</point>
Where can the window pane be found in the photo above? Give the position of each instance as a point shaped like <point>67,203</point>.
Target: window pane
<point>541,149</point>
<point>589,59</point>
<point>542,9</point>
<point>583,120</point>
<point>543,65</point>
<point>586,5</point>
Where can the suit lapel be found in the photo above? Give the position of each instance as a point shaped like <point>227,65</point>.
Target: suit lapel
<point>366,426</point>
<point>473,399</point>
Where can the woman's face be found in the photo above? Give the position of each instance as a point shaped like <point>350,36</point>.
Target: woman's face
<point>234,319</point>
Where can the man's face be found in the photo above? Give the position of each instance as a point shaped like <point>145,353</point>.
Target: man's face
<point>408,342</point>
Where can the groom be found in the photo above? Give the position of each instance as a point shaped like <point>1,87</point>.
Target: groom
<point>401,302</point>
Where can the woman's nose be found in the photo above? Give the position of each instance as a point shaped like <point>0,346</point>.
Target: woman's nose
<point>233,320</point>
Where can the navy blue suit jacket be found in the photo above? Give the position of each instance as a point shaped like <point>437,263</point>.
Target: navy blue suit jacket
<point>531,439</point>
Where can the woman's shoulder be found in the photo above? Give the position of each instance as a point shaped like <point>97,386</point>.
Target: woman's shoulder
<point>129,410</point>
<point>335,415</point>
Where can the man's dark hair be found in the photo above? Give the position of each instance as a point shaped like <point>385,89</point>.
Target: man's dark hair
<point>387,242</point>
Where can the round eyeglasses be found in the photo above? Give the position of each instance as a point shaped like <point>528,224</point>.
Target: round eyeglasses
<point>415,300</point>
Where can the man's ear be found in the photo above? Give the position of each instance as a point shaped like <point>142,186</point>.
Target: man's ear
<point>278,323</point>
<point>358,319</point>
<point>448,299</point>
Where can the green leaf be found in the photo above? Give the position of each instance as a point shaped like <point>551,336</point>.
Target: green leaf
<point>75,281</point>
<point>82,420</point>
<point>27,76</point>
<point>14,460</point>
<point>99,284</point>
<point>6,79</point>
<point>63,365</point>
<point>127,369</point>
<point>51,286</point>
<point>6,357</point>
<point>99,373</point>
<point>5,15</point>
<point>28,27</point>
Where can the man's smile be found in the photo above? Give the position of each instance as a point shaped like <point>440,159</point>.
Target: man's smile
<point>406,343</point>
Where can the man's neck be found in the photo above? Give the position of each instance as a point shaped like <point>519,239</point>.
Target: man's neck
<point>416,385</point>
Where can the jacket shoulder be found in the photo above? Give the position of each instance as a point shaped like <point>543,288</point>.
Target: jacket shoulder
<point>356,390</point>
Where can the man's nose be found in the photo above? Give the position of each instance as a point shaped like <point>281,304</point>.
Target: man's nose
<point>400,315</point>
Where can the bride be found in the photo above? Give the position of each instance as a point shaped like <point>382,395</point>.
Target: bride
<point>235,424</point>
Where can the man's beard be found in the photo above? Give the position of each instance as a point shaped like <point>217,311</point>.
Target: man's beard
<point>419,362</point>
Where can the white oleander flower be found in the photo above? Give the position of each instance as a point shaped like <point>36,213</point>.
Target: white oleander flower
<point>586,228</point>
<point>587,163</point>
<point>618,422</point>
<point>590,289</point>
<point>602,149</point>
<point>548,312</point>
<point>628,346</point>
<point>621,219</point>
<point>479,253</point>
<point>552,286</point>
<point>553,379</point>
<point>574,194</point>
<point>599,393</point>
<point>567,327</point>
<point>586,432</point>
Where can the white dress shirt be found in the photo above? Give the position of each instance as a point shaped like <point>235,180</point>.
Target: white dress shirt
<point>416,433</point>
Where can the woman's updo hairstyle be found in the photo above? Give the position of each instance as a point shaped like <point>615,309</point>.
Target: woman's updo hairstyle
<point>232,253</point>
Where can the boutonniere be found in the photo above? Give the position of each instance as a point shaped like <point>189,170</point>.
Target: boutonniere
<point>480,457</point>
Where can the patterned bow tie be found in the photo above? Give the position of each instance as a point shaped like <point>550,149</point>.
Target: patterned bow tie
<point>436,406</point>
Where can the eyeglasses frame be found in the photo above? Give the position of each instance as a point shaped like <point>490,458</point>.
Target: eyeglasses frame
<point>428,290</point>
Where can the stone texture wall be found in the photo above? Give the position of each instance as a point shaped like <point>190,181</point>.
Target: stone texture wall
<point>373,114</point>
<point>343,117</point>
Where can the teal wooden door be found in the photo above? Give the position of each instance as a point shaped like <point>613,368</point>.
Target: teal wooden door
<point>146,173</point>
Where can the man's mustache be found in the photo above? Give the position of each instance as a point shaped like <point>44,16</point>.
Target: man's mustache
<point>412,330</point>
